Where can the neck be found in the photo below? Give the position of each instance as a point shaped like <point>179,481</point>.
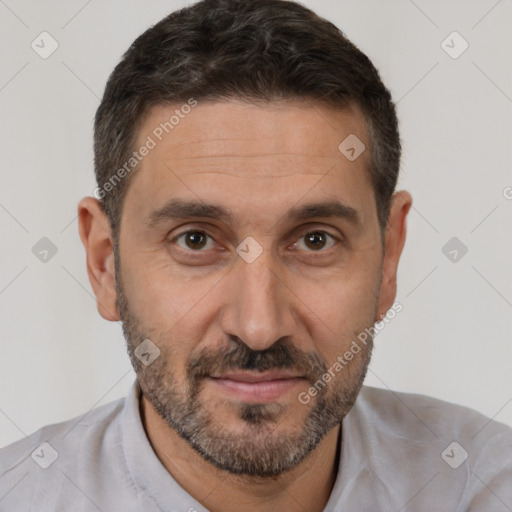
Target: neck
<point>305,487</point>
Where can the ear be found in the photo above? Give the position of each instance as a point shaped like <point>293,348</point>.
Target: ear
<point>395,234</point>
<point>96,236</point>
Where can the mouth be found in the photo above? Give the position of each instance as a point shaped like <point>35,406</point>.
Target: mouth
<point>256,387</point>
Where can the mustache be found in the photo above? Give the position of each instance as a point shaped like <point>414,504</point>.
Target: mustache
<point>281,355</point>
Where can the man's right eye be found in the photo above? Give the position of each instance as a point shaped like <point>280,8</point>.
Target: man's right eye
<point>194,240</point>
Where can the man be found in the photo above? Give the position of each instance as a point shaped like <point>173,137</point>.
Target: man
<point>247,232</point>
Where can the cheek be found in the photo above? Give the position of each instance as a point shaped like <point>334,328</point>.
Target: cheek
<point>339,310</point>
<point>150,296</point>
<point>156,291</point>
<point>172,309</point>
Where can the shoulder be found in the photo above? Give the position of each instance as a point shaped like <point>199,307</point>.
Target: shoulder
<point>69,432</point>
<point>36,469</point>
<point>406,440</point>
<point>423,417</point>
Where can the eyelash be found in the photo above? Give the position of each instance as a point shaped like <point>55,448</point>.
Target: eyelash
<point>323,250</point>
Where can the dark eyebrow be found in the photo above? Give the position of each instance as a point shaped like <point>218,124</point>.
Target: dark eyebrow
<point>180,209</point>
<point>324,209</point>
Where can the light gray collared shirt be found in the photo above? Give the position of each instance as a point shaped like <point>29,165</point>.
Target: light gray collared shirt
<point>399,452</point>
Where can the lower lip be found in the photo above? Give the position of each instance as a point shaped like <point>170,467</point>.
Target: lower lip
<point>257,392</point>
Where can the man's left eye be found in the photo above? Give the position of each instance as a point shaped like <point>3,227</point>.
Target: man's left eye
<point>316,241</point>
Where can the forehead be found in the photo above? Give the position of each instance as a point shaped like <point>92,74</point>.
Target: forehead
<point>241,151</point>
<point>299,129</point>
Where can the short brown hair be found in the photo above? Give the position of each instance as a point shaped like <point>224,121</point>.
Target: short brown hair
<point>247,49</point>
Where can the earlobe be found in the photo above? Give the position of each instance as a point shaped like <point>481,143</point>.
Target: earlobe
<point>97,239</point>
<point>395,236</point>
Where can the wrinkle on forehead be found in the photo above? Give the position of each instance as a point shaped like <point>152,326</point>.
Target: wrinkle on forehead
<point>251,177</point>
<point>259,165</point>
<point>269,171</point>
<point>259,162</point>
<point>234,140</point>
<point>231,123</point>
<point>252,155</point>
<point>259,147</point>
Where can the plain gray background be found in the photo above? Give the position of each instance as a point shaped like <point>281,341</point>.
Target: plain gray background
<point>452,339</point>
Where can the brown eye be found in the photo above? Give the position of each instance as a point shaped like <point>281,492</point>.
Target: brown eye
<point>195,240</point>
<point>316,240</point>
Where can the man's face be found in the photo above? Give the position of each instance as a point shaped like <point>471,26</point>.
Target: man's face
<point>249,311</point>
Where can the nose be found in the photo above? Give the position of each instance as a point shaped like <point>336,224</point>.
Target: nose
<point>259,305</point>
